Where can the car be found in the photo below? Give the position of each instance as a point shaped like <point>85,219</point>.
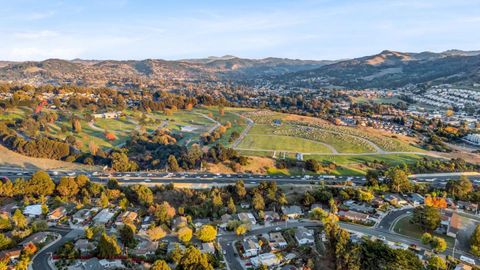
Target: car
<point>148,180</point>
<point>224,252</point>
<point>381,237</point>
<point>278,229</point>
<point>19,173</point>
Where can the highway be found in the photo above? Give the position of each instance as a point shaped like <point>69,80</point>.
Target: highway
<point>208,179</point>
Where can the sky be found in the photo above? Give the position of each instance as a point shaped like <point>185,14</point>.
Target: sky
<point>180,29</point>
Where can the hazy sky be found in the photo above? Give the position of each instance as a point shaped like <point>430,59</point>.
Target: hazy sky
<point>175,29</point>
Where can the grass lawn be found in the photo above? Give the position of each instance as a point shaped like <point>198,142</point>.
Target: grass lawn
<point>405,227</point>
<point>16,113</point>
<point>284,143</point>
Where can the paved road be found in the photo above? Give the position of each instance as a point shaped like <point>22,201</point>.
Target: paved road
<point>41,259</point>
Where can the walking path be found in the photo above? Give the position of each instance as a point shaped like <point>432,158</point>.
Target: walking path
<point>217,124</point>
<point>240,138</point>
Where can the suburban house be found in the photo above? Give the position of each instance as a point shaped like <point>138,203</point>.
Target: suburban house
<point>82,215</point>
<point>417,199</point>
<point>247,218</point>
<point>126,217</point>
<point>353,216</point>
<point>179,222</point>
<point>145,247</point>
<point>36,238</point>
<point>304,236</point>
<point>277,241</point>
<point>267,259</point>
<point>250,247</point>
<point>467,206</point>
<point>208,248</point>
<point>292,212</point>
<point>200,222</point>
<point>10,255</point>
<point>270,216</point>
<point>395,199</point>
<point>57,214</point>
<point>450,224</point>
<point>84,246</point>
<point>33,210</point>
<point>104,216</point>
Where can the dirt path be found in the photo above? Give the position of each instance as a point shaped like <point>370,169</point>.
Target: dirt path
<point>250,124</point>
<point>91,124</point>
<point>217,124</point>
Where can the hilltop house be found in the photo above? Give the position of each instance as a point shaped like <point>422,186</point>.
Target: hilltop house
<point>292,212</point>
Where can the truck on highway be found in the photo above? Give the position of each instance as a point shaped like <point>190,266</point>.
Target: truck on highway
<point>467,260</point>
<point>332,177</point>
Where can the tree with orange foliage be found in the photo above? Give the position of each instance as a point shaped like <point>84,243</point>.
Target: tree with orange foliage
<point>30,249</point>
<point>110,136</point>
<point>435,201</point>
<point>189,107</point>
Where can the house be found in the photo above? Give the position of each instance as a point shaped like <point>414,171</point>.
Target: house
<point>104,216</point>
<point>292,212</point>
<point>467,206</point>
<point>81,216</point>
<point>57,214</point>
<point>7,209</point>
<point>267,259</point>
<point>450,224</point>
<point>208,248</point>
<point>200,222</point>
<point>361,208</point>
<point>36,239</point>
<point>417,199</point>
<point>304,236</point>
<point>277,241</point>
<point>179,222</point>
<point>10,255</point>
<point>145,247</point>
<point>270,216</point>
<point>107,115</point>
<point>247,218</point>
<point>224,219</point>
<point>462,266</point>
<point>84,246</point>
<point>353,216</point>
<point>377,202</point>
<point>126,217</point>
<point>250,247</point>
<point>395,199</point>
<point>244,205</point>
<point>173,245</point>
<point>34,210</point>
<point>146,222</point>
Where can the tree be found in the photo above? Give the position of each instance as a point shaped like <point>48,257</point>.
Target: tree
<point>40,184</point>
<point>241,229</point>
<point>76,126</point>
<point>372,178</point>
<point>397,180</point>
<point>184,234</point>
<point>438,244</point>
<point>127,235</point>
<point>82,180</point>
<point>475,241</point>
<point>258,202</point>
<point>156,233</point>
<point>93,147</point>
<point>160,265</point>
<point>459,188</point>
<point>436,263</point>
<point>207,233</point>
<point>108,247</point>
<point>142,194</point>
<point>365,195</point>
<point>163,212</point>
<point>240,189</point>
<point>232,209</point>
<point>426,238</point>
<point>5,223</point>
<point>5,241</point>
<point>67,187</point>
<point>19,220</point>
<point>88,232</point>
<point>427,217</point>
<point>173,164</point>
<point>193,259</point>
<point>312,165</point>
<point>318,214</point>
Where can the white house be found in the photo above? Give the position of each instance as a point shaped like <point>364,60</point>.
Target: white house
<point>33,210</point>
<point>304,236</point>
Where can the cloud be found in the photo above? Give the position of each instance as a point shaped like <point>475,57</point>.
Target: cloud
<point>36,35</point>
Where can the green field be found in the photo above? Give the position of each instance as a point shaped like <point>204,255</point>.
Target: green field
<point>405,227</point>
<point>283,143</point>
